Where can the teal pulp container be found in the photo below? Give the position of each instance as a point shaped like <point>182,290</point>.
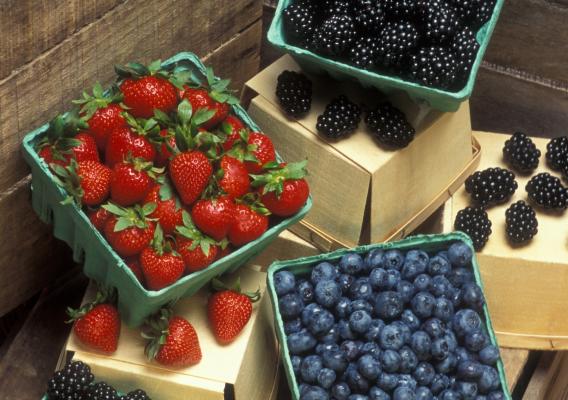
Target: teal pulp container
<point>436,98</point>
<point>302,266</point>
<point>101,262</point>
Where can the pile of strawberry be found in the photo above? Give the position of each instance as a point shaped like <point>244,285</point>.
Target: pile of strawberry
<point>172,179</point>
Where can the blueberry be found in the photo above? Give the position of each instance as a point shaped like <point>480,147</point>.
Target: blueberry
<point>439,265</point>
<point>421,343</point>
<point>406,380</point>
<point>356,381</point>
<point>403,393</point>
<point>393,259</point>
<point>342,308</point>
<point>415,264</point>
<point>296,361</point>
<point>489,355</point>
<point>392,279</point>
<point>497,395</point>
<point>390,361</point>
<point>378,278</point>
<point>314,393</point>
<point>323,347</point>
<point>468,390</point>
<point>388,305</point>
<point>472,295</point>
<point>447,365</point>
<point>440,285</point>
<point>374,259</point>
<point>408,360</point>
<point>378,394</point>
<point>460,254</point>
<point>439,383</point>
<point>293,326</point>
<point>404,329</point>
<point>326,378</point>
<point>361,290</point>
<point>423,393</point>
<point>331,337</point>
<point>351,264</point>
<point>462,354</point>
<point>422,282</point>
<point>360,305</point>
<point>306,291</point>
<point>392,337</point>
<point>476,340</point>
<point>480,397</point>
<point>310,368</point>
<point>345,331</point>
<point>406,290</point>
<point>443,309</point>
<point>300,342</point>
<point>340,391</point>
<point>303,388</point>
<point>345,281</point>
<point>489,380</point>
<point>327,293</point>
<point>284,282</point>
<point>350,349</point>
<point>410,320</point>
<point>291,305</point>
<point>309,311</point>
<point>449,394</point>
<point>320,323</point>
<point>466,321</point>
<point>387,381</point>
<point>324,271</point>
<point>440,348</point>
<point>434,327</point>
<point>424,373</point>
<point>372,349</point>
<point>460,276</point>
<point>358,397</point>
<point>423,304</point>
<point>451,340</point>
<point>360,321</point>
<point>335,360</point>
<point>469,370</point>
<point>375,329</point>
<point>455,296</point>
<point>369,367</point>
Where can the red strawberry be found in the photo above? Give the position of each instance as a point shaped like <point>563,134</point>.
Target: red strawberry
<point>190,173</point>
<point>229,310</point>
<point>173,341</point>
<point>146,89</point>
<point>130,140</point>
<point>168,212</point>
<point>224,252</point>
<point>81,147</point>
<point>247,226</point>
<point>87,182</point>
<point>128,230</point>
<point>264,152</point>
<point>161,265</point>
<point>235,181</point>
<point>99,217</point>
<point>97,324</point>
<point>132,180</point>
<point>232,127</point>
<point>197,250</point>
<point>214,216</point>
<point>134,265</point>
<point>197,97</point>
<point>221,112</point>
<point>167,142</point>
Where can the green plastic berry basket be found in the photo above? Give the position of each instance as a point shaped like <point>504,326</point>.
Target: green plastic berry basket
<point>101,262</point>
<point>440,99</point>
<point>302,266</point>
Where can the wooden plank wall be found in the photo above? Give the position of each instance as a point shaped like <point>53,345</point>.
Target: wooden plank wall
<point>51,50</point>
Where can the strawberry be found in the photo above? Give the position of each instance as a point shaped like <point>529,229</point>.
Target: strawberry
<point>173,341</point>
<point>229,310</point>
<point>283,188</point>
<point>168,211</point>
<point>97,324</point>
<point>166,143</point>
<point>134,265</point>
<point>129,230</point>
<point>221,112</point>
<point>249,224</point>
<point>214,216</point>
<point>131,140</point>
<point>197,250</point>
<point>98,218</point>
<point>197,97</point>
<point>146,89</point>
<point>102,113</point>
<point>264,152</point>
<point>231,127</point>
<point>235,181</point>
<point>161,265</point>
<point>86,182</point>
<point>132,180</point>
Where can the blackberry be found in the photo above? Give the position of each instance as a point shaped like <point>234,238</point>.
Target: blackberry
<point>335,36</point>
<point>396,40</point>
<point>71,382</point>
<point>102,391</point>
<point>137,394</point>
<point>557,153</point>
<point>369,15</point>
<point>340,117</point>
<point>390,126</point>
<point>440,21</point>
<point>521,153</point>
<point>521,222</point>
<point>299,21</point>
<point>465,47</point>
<point>474,13</point>
<point>364,53</point>
<point>491,186</point>
<point>294,92</point>
<point>327,8</point>
<point>400,9</point>
<point>547,191</point>
<point>434,66</point>
<point>474,222</point>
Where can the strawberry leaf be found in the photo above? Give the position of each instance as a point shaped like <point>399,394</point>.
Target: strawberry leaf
<point>165,192</point>
<point>154,66</point>
<point>149,208</point>
<point>122,223</point>
<point>184,111</point>
<point>114,209</point>
<point>202,115</point>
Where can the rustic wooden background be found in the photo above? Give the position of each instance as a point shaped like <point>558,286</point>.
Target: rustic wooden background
<point>51,49</point>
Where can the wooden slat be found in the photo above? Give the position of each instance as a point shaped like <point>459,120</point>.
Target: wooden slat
<point>134,30</point>
<point>544,376</point>
<point>514,361</point>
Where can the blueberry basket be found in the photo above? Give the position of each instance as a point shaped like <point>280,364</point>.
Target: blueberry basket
<point>428,243</point>
<point>440,99</point>
<point>100,261</point>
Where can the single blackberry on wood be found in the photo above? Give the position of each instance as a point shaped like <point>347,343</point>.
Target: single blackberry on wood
<point>299,21</point>
<point>294,92</point>
<point>70,383</point>
<point>440,21</point>
<point>474,222</point>
<point>521,222</point>
<point>137,394</point>
<point>390,126</point>
<point>547,191</point>
<point>521,153</point>
<point>491,186</point>
<point>341,116</point>
<point>369,15</point>
<point>474,13</point>
<point>557,153</point>
<point>364,53</point>
<point>396,40</point>
<point>465,47</point>
<point>335,35</point>
<point>102,391</point>
<point>434,66</point>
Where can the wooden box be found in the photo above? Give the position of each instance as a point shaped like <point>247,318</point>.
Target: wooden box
<point>363,193</point>
<point>526,287</point>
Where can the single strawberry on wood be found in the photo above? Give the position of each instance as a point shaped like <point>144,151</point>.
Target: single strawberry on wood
<point>129,230</point>
<point>197,250</point>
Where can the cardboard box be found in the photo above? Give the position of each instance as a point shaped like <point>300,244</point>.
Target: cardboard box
<point>526,287</point>
<point>363,193</point>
